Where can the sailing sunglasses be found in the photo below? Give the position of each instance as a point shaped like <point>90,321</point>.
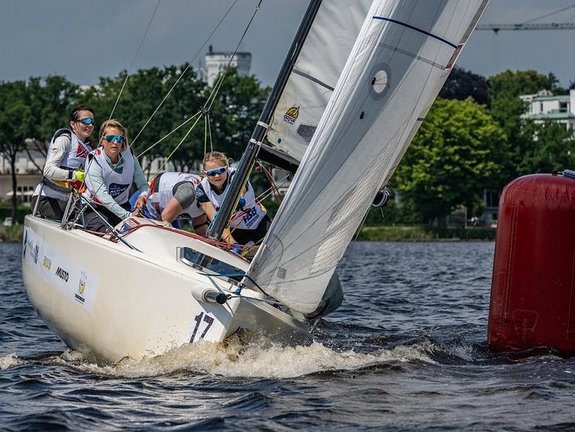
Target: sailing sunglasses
<point>115,138</point>
<point>88,121</point>
<point>216,171</point>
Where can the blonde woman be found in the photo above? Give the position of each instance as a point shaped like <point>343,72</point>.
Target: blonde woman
<point>111,170</point>
<point>251,222</point>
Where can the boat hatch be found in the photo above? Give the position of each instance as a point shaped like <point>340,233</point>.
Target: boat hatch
<point>202,261</point>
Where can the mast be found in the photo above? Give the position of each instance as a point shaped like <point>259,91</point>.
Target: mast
<point>249,157</point>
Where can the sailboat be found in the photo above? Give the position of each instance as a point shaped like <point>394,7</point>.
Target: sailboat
<point>356,85</point>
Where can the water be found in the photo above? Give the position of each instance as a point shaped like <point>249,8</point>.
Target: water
<point>406,351</point>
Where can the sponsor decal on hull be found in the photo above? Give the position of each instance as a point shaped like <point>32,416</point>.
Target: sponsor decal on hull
<point>60,270</point>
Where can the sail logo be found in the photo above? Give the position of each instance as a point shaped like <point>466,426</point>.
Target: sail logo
<point>47,263</point>
<point>62,274</point>
<point>291,115</point>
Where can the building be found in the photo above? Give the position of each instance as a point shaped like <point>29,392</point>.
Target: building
<point>28,172</point>
<point>544,106</point>
<point>216,62</point>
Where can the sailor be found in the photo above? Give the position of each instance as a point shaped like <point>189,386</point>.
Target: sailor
<point>173,199</point>
<point>251,222</point>
<point>64,164</point>
<point>111,171</point>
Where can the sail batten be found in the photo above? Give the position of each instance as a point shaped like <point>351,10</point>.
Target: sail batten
<point>392,75</point>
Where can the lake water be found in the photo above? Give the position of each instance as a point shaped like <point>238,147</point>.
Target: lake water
<point>406,351</point>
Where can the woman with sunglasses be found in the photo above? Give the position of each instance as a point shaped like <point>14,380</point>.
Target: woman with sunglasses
<point>111,170</point>
<point>251,222</point>
<point>64,163</point>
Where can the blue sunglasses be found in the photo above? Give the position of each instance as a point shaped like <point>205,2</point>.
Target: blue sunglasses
<point>88,121</point>
<point>115,138</point>
<point>216,171</point>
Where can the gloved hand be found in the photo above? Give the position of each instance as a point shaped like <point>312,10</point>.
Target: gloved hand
<point>241,203</point>
<point>79,175</point>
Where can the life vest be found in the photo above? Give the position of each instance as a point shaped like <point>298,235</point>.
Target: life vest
<point>117,184</point>
<point>249,216</point>
<point>73,160</point>
<point>161,191</point>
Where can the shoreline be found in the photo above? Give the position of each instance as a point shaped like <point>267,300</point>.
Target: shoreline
<point>417,233</point>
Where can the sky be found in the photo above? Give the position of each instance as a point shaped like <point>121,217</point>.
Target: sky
<point>87,39</point>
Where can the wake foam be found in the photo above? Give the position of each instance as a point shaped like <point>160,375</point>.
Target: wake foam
<point>261,359</point>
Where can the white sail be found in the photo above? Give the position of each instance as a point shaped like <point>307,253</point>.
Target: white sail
<point>315,74</point>
<point>400,60</point>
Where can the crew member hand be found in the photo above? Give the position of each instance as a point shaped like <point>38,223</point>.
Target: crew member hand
<point>140,202</point>
<point>79,175</point>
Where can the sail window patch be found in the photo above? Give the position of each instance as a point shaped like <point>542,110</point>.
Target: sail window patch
<point>379,81</point>
<point>306,131</point>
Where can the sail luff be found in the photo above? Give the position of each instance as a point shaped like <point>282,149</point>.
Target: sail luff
<point>400,60</point>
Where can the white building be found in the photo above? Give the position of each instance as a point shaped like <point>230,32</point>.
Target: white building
<point>216,62</point>
<point>28,173</point>
<point>544,106</point>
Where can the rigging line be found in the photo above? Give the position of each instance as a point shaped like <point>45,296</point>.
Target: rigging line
<point>134,60</point>
<point>549,14</point>
<point>227,68</point>
<point>169,134</point>
<point>178,146</point>
<point>206,127</point>
<point>210,134</point>
<point>185,70</point>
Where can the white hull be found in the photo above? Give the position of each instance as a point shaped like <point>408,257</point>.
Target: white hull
<point>109,301</point>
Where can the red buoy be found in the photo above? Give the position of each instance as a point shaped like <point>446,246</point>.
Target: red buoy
<point>532,290</point>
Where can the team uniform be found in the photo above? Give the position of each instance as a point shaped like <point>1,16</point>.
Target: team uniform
<point>108,187</point>
<point>250,222</point>
<point>72,152</point>
<point>166,186</point>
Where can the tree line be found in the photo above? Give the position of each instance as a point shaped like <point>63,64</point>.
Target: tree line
<point>473,138</point>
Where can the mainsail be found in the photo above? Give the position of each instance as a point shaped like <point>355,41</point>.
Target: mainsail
<point>400,59</point>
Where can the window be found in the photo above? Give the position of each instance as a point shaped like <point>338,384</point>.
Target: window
<point>197,259</point>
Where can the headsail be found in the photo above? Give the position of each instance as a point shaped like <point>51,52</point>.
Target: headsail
<point>314,75</point>
<point>401,58</point>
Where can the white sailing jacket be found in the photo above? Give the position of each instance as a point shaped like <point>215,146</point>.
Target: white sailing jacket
<point>117,184</point>
<point>72,160</point>
<point>162,192</point>
<point>249,216</point>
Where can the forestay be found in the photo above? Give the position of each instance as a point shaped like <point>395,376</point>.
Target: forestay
<point>402,56</point>
<point>315,74</point>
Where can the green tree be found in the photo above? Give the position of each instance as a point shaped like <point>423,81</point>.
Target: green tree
<point>235,113</point>
<point>29,113</point>
<point>525,153</point>
<point>453,158</point>
<point>50,100</point>
<point>461,84</point>
<point>15,126</point>
<point>513,84</point>
<point>552,148</point>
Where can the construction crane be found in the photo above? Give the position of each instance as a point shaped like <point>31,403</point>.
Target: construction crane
<point>526,26</point>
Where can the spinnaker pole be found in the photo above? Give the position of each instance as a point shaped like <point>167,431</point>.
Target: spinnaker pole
<point>248,159</point>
